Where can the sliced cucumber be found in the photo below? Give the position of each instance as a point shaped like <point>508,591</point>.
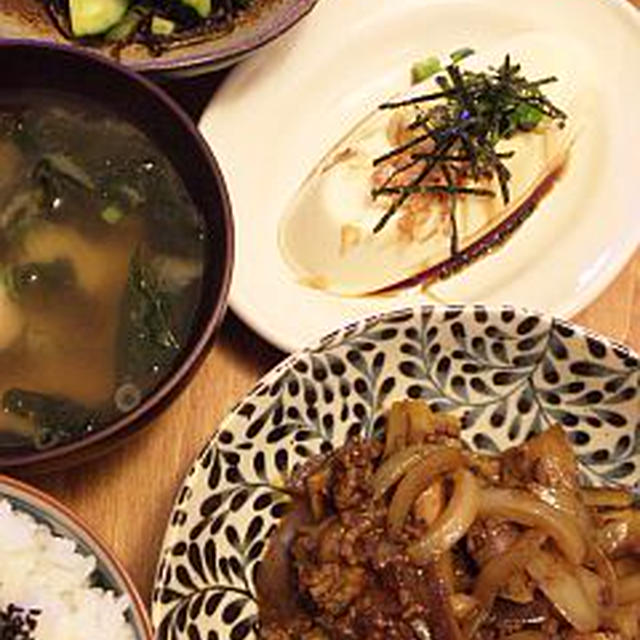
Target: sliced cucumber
<point>90,17</point>
<point>203,7</point>
<point>162,26</point>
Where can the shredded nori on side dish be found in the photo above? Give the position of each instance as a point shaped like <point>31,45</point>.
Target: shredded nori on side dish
<point>17,623</point>
<point>457,136</point>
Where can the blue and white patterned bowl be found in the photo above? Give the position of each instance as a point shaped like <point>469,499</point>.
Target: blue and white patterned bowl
<point>510,373</point>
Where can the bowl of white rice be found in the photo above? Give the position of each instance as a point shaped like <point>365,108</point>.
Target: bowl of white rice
<point>57,580</point>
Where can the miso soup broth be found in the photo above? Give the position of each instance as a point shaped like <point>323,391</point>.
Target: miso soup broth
<point>101,257</point>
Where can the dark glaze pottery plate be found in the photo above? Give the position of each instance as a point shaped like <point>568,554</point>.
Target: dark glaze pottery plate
<point>29,19</point>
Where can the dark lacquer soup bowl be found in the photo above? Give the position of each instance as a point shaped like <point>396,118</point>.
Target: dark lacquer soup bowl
<point>116,243</point>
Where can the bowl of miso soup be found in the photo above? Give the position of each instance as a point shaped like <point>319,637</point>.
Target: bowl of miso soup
<point>115,254</point>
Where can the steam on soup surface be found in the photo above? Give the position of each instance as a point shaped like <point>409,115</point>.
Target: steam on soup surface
<point>101,253</point>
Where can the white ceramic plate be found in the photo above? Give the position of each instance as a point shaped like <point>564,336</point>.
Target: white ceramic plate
<point>278,114</point>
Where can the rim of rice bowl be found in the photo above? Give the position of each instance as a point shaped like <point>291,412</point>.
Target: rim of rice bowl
<point>52,566</point>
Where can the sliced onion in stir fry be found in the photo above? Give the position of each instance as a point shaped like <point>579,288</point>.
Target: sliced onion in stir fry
<point>591,583</point>
<point>626,620</point>
<point>559,583</point>
<point>413,422</point>
<point>397,429</point>
<point>529,634</point>
<point>521,507</point>
<point>629,589</point>
<point>453,523</point>
<point>606,572</point>
<point>498,570</point>
<point>615,498</point>
<point>430,503</point>
<point>420,476</point>
<point>395,467</point>
<point>626,566</point>
<point>462,605</point>
<point>620,534</point>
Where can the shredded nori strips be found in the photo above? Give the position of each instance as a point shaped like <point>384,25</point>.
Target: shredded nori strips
<point>17,623</point>
<point>471,113</point>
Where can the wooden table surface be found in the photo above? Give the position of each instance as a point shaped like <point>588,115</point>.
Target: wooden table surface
<point>127,495</point>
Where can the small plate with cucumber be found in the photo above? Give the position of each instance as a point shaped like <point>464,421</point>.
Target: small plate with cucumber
<point>163,37</point>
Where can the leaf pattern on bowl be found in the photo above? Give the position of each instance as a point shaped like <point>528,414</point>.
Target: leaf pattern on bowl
<point>508,374</point>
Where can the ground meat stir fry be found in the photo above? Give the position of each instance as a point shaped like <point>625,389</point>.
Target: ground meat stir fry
<point>357,580</point>
<point>417,538</point>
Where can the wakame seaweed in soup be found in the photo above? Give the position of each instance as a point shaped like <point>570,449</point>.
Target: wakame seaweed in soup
<point>101,256</point>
